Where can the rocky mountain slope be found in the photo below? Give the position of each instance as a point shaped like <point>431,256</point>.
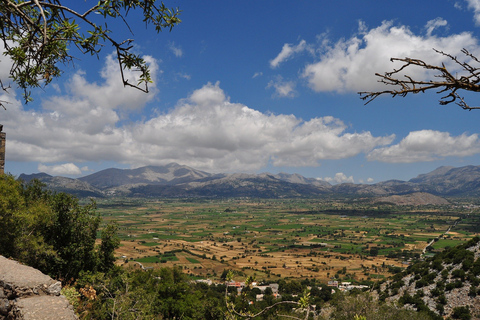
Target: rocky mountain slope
<point>174,180</point>
<point>446,285</point>
<point>411,199</point>
<point>451,181</point>
<point>170,174</point>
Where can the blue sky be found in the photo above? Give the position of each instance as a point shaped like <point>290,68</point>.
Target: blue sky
<point>258,86</point>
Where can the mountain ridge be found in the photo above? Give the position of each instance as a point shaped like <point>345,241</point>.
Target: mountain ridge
<point>175,180</point>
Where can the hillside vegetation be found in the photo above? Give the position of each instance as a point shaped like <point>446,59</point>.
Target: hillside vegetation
<point>447,284</point>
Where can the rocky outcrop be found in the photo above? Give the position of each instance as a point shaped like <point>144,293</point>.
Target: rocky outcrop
<point>28,294</point>
<point>442,283</point>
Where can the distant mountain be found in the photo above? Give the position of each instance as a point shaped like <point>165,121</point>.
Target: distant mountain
<point>62,184</point>
<point>175,180</point>
<point>296,178</point>
<point>451,181</point>
<point>170,174</point>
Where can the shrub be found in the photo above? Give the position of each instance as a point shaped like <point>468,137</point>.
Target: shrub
<point>462,313</point>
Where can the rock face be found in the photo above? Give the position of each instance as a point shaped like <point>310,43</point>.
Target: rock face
<point>28,294</point>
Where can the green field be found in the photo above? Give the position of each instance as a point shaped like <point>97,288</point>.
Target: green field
<point>281,237</point>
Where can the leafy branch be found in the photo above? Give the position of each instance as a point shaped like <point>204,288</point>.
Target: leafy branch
<point>232,313</point>
<point>38,35</point>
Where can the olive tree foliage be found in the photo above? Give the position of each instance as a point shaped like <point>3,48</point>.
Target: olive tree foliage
<point>38,37</point>
<point>303,311</point>
<point>52,231</point>
<point>445,81</point>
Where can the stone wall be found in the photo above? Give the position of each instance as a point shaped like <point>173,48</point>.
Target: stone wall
<point>28,294</point>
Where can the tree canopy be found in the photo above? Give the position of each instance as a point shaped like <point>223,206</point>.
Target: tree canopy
<point>38,36</point>
<point>448,82</point>
<point>52,231</point>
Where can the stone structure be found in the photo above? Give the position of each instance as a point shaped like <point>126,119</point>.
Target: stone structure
<point>3,137</point>
<point>28,294</point>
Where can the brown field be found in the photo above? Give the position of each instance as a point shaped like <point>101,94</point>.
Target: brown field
<point>288,239</point>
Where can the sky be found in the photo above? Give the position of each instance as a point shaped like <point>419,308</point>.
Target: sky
<point>258,86</point>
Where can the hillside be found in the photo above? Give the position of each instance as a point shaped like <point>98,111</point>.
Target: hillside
<point>414,199</point>
<point>447,284</point>
<point>451,181</point>
<point>175,180</point>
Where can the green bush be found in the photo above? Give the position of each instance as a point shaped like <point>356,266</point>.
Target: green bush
<point>462,313</point>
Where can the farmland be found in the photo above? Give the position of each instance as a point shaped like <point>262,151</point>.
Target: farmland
<point>322,239</point>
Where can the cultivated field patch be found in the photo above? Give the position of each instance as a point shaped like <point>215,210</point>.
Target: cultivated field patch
<point>322,239</point>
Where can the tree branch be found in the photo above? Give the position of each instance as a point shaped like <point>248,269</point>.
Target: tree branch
<point>37,35</point>
<point>448,82</point>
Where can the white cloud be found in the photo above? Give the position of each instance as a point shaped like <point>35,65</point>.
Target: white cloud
<point>111,94</point>
<point>61,169</point>
<point>287,52</point>
<point>340,177</point>
<point>177,51</point>
<point>257,74</point>
<point>5,65</point>
<point>427,145</point>
<point>185,76</point>
<point>283,89</point>
<point>216,134</point>
<point>351,64</point>
<point>204,130</point>
<point>434,24</point>
<point>475,6</point>
<point>369,180</point>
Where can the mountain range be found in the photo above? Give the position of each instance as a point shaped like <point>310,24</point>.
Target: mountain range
<point>175,180</point>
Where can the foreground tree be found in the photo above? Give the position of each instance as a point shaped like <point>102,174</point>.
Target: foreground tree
<point>52,231</point>
<point>447,82</point>
<point>38,36</point>
<point>164,293</point>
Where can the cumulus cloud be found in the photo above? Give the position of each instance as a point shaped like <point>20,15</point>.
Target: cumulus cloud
<point>219,134</point>
<point>340,177</point>
<point>283,89</point>
<point>475,6</point>
<point>369,180</point>
<point>351,64</point>
<point>288,51</point>
<point>205,130</point>
<point>110,94</point>
<point>427,145</point>
<point>62,169</point>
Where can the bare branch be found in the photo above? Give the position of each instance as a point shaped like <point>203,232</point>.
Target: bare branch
<point>447,83</point>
